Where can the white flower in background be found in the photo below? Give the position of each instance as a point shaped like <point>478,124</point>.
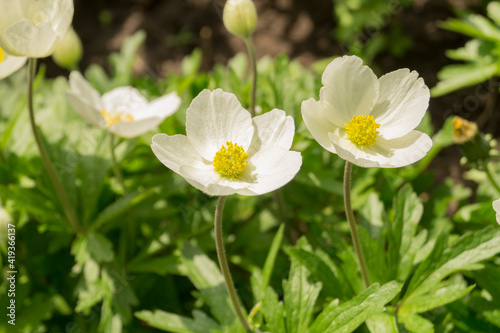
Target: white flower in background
<point>122,111</point>
<point>496,207</point>
<point>366,120</point>
<point>225,151</point>
<point>33,28</point>
<point>9,64</point>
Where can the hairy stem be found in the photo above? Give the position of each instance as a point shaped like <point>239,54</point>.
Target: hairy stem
<point>221,254</point>
<point>253,63</point>
<point>116,167</point>
<point>68,208</point>
<point>352,223</point>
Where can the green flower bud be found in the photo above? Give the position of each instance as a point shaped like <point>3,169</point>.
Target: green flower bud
<point>240,17</point>
<point>69,51</point>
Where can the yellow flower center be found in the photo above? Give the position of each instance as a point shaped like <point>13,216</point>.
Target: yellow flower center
<point>362,131</point>
<point>112,118</point>
<point>231,160</point>
<point>1,55</point>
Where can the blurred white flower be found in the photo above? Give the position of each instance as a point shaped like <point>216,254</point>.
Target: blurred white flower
<point>366,120</point>
<point>496,207</point>
<point>9,63</point>
<point>225,151</point>
<point>122,111</point>
<point>33,28</point>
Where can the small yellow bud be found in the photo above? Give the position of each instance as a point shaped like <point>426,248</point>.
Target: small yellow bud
<point>240,17</point>
<point>463,130</point>
<point>69,51</point>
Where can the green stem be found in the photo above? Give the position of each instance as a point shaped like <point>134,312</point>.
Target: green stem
<point>221,255</point>
<point>490,177</point>
<point>352,223</point>
<point>253,63</point>
<point>68,208</point>
<point>116,167</point>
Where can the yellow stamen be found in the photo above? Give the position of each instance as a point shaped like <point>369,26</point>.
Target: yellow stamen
<point>231,160</point>
<point>112,118</point>
<point>1,55</point>
<point>362,131</point>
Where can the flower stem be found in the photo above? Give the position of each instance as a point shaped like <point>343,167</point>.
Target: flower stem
<point>68,208</point>
<point>253,63</point>
<point>221,254</point>
<point>116,167</point>
<point>352,223</point>
<point>490,177</point>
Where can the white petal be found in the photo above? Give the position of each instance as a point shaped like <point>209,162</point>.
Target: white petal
<point>124,99</point>
<point>10,64</point>
<point>402,103</point>
<point>11,11</point>
<point>496,207</point>
<point>85,110</point>
<point>405,150</point>
<point>273,128</point>
<point>271,168</point>
<point>25,38</point>
<point>131,129</point>
<point>210,182</point>
<point>349,89</point>
<point>164,106</point>
<point>213,118</point>
<point>82,89</point>
<point>176,151</point>
<point>393,153</point>
<point>318,123</point>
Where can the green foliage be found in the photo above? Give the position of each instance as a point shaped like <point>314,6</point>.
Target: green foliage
<point>480,54</point>
<point>367,27</point>
<point>147,262</point>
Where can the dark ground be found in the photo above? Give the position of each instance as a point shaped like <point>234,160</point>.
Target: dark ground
<point>302,29</point>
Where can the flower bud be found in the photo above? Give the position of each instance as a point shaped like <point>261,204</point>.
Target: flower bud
<point>473,145</point>
<point>240,17</point>
<point>69,51</point>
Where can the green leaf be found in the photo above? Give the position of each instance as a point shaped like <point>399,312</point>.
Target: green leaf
<point>92,245</point>
<point>121,206</point>
<point>348,316</point>
<point>417,324</point>
<point>206,277</point>
<point>454,77</point>
<point>444,293</point>
<point>163,265</point>
<point>320,271</point>
<point>170,322</point>
<point>469,249</point>
<point>473,25</point>
<point>272,310</point>
<point>123,62</point>
<point>261,278</point>
<point>300,295</point>
<point>382,323</point>
<point>493,11</point>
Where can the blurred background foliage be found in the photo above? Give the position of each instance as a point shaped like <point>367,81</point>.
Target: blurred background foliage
<point>147,258</point>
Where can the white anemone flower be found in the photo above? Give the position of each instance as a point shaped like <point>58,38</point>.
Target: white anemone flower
<point>9,63</point>
<point>122,111</point>
<point>496,207</point>
<point>366,120</point>
<point>33,28</point>
<point>225,151</point>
